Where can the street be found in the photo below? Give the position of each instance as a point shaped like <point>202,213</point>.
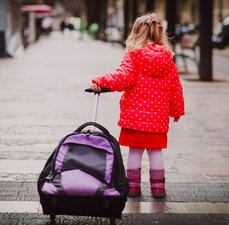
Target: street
<point>42,99</point>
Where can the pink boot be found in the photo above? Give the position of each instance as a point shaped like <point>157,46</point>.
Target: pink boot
<point>134,178</point>
<point>157,183</point>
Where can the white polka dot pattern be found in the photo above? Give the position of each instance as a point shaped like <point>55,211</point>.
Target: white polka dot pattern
<point>152,89</point>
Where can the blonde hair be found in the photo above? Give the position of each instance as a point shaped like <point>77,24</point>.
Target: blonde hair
<point>147,29</point>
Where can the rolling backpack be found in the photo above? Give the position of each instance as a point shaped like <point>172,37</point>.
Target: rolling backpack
<point>84,175</point>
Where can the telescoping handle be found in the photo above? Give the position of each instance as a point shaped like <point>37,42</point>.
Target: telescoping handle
<point>97,93</point>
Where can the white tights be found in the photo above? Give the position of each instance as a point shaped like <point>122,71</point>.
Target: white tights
<point>156,159</point>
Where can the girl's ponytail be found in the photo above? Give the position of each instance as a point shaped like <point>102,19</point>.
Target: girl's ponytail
<point>147,29</point>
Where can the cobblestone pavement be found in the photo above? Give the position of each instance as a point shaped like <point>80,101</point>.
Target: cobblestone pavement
<point>128,219</point>
<point>42,99</point>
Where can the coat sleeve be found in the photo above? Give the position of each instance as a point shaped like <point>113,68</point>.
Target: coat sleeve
<point>177,99</point>
<point>122,79</point>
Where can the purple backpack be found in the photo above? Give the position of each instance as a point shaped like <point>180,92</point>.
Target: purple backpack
<point>84,164</point>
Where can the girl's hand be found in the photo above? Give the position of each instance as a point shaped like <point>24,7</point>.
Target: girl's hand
<point>176,119</point>
<point>95,87</point>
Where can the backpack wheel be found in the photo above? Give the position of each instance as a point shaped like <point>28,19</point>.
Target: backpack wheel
<point>112,221</point>
<point>52,219</point>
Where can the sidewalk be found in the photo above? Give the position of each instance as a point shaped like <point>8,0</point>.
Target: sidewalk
<point>222,52</point>
<point>42,99</point>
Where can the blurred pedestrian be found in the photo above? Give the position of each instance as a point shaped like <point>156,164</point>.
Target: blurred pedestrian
<point>94,30</point>
<point>82,28</point>
<point>152,93</point>
<point>62,26</point>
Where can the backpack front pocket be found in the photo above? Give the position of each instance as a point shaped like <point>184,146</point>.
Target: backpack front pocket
<point>77,183</point>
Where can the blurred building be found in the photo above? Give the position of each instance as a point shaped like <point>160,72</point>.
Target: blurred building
<point>114,17</point>
<point>10,27</point>
<point>18,25</point>
<point>36,19</point>
<point>187,11</point>
<point>120,14</point>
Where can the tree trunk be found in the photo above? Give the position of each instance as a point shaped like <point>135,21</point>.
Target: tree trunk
<point>171,17</point>
<point>134,10</point>
<point>150,5</point>
<point>103,19</point>
<point>126,18</point>
<point>92,12</point>
<point>206,22</point>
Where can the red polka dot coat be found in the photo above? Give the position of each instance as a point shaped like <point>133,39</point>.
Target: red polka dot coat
<point>152,89</point>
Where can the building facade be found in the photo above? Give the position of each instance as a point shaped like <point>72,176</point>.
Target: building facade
<point>186,11</point>
<point>107,13</point>
<point>10,27</point>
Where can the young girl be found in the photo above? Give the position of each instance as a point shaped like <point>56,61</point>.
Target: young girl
<point>152,93</point>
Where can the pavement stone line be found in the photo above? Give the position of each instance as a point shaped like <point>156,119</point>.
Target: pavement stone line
<point>144,213</point>
<point>128,219</point>
<point>36,92</point>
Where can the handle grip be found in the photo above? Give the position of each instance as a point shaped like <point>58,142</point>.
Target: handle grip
<point>100,127</point>
<point>103,90</point>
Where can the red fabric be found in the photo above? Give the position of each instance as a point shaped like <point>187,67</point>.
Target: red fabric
<point>138,139</point>
<point>152,89</point>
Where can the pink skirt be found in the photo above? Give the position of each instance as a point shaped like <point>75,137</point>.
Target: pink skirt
<point>139,139</point>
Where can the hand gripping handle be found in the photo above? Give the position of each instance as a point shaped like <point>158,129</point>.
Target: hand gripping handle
<point>103,90</point>
<point>100,127</point>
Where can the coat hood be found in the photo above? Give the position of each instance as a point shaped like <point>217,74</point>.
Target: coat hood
<point>154,60</point>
